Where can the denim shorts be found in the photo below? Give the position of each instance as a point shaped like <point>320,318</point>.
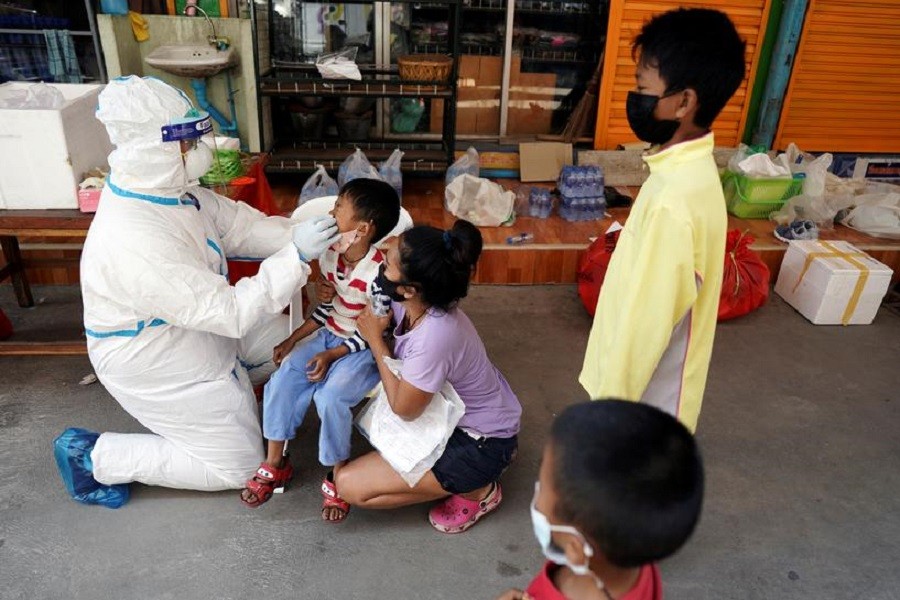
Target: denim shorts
<point>468,463</point>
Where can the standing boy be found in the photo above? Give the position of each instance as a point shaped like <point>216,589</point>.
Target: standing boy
<point>656,317</point>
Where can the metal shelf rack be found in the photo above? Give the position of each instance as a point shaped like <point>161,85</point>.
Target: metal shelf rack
<point>291,80</point>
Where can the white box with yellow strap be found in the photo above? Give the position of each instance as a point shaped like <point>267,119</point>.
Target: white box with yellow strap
<point>832,283</point>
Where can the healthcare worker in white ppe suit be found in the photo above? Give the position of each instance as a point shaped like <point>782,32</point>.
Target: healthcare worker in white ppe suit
<point>176,345</point>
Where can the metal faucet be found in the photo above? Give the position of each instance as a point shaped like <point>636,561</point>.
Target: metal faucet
<point>213,40</point>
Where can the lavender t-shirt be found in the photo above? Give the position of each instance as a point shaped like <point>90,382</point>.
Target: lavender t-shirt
<point>446,347</point>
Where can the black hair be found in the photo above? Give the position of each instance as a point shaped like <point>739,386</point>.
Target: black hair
<point>696,48</point>
<point>376,201</point>
<point>629,476</point>
<point>440,263</point>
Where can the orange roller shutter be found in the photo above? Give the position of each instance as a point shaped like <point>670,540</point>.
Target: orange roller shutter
<point>626,17</point>
<point>844,92</point>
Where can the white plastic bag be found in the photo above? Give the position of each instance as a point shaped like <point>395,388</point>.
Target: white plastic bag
<point>479,201</point>
<point>38,96</point>
<point>411,447</point>
<point>390,171</point>
<point>821,210</point>
<point>814,168</point>
<point>751,163</point>
<point>876,214</point>
<point>356,166</point>
<point>467,163</point>
<point>816,171</point>
<point>339,65</point>
<point>318,185</point>
<point>813,204</point>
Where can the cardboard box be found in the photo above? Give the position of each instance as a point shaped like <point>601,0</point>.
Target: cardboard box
<point>832,283</point>
<point>542,161</point>
<point>45,153</point>
<point>878,168</point>
<point>477,111</point>
<point>532,100</point>
<point>478,101</point>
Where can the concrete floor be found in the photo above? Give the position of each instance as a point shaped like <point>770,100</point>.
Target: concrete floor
<point>799,433</point>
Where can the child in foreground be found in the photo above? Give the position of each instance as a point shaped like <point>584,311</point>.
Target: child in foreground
<point>620,488</point>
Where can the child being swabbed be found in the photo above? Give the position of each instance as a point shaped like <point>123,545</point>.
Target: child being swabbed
<point>334,369</point>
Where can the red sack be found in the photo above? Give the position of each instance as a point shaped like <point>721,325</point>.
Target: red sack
<point>258,195</point>
<point>592,269</point>
<point>6,328</point>
<point>745,279</point>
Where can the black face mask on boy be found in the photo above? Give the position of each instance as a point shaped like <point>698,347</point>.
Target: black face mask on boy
<point>640,108</point>
<point>388,287</point>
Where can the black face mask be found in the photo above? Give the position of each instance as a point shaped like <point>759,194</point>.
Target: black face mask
<point>646,127</point>
<point>387,287</point>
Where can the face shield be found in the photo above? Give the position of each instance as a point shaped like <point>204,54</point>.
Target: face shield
<point>187,131</point>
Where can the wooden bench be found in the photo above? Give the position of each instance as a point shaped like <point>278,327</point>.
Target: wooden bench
<point>52,225</point>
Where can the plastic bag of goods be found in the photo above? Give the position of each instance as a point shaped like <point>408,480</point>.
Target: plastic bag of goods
<point>356,166</point>
<point>390,171</point>
<point>745,278</point>
<point>468,163</point>
<point>318,185</point>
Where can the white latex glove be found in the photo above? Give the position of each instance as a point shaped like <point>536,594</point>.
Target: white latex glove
<point>313,236</point>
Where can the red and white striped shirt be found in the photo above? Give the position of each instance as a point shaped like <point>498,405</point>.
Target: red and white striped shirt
<point>352,293</point>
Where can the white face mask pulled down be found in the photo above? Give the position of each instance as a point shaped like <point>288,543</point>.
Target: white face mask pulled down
<point>348,238</point>
<point>543,531</point>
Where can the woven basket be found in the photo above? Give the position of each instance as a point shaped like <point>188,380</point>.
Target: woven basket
<point>425,67</point>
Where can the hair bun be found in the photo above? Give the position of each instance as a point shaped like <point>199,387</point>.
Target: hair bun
<point>464,242</point>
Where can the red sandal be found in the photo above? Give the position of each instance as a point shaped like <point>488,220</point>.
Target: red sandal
<point>330,498</point>
<point>267,481</point>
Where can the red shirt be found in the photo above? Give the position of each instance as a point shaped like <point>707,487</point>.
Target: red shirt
<point>648,586</point>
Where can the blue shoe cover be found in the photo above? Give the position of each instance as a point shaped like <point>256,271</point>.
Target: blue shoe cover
<point>72,450</point>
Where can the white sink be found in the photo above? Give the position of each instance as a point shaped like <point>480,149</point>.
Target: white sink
<point>196,60</point>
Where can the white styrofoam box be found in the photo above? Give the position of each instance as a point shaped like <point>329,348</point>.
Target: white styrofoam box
<point>821,284</point>
<point>44,154</point>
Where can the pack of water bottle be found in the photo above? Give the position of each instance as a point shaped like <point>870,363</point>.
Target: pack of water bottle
<point>582,209</point>
<point>581,193</point>
<point>581,182</point>
<point>540,203</point>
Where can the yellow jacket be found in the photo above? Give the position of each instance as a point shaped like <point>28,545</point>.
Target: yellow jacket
<point>653,331</point>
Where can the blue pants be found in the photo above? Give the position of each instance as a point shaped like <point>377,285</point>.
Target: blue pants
<point>288,394</point>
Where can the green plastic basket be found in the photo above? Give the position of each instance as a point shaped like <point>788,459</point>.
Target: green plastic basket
<point>226,166</point>
<point>758,197</point>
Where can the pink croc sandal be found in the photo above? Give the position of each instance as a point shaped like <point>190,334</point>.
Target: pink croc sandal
<point>456,514</point>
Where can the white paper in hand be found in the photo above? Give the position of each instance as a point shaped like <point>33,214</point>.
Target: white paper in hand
<point>411,447</point>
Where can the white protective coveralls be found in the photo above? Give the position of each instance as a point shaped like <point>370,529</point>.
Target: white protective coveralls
<point>176,345</point>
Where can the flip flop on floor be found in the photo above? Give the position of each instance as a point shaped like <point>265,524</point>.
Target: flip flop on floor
<point>266,482</point>
<point>330,499</point>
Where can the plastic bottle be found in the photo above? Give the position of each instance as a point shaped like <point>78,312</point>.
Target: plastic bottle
<point>534,200</point>
<point>522,238</point>
<point>593,207</point>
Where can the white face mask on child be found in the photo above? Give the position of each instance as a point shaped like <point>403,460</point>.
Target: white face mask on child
<point>543,531</point>
<point>347,240</point>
